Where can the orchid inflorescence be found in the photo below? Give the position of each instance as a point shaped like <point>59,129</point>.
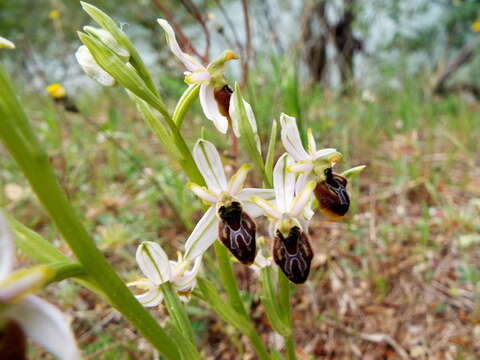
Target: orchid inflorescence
<point>301,182</point>
<point>300,175</point>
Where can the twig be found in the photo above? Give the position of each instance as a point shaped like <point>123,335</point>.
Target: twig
<point>375,337</point>
<point>193,9</point>
<point>248,48</point>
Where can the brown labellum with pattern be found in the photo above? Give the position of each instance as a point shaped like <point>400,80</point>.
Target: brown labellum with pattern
<point>222,96</point>
<point>293,254</point>
<point>13,344</point>
<point>236,230</point>
<point>332,195</point>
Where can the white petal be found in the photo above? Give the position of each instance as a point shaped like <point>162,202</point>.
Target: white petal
<point>91,68</point>
<point>235,115</point>
<point>7,249</point>
<point>153,262</point>
<point>291,138</point>
<point>235,184</point>
<point>325,153</point>
<point>302,199</point>
<point>150,298</point>
<point>203,236</point>
<point>45,325</point>
<point>303,166</point>
<point>208,161</point>
<point>312,147</point>
<point>202,192</point>
<point>210,108</point>
<point>283,183</point>
<point>190,62</point>
<point>302,180</point>
<point>188,281</point>
<point>5,43</point>
<point>267,207</point>
<point>197,77</point>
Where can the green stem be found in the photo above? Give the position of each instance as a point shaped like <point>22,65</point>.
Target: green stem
<point>19,138</point>
<point>184,103</point>
<point>230,284</point>
<point>65,270</point>
<point>178,314</point>
<point>284,300</point>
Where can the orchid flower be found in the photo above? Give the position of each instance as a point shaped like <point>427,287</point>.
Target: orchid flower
<point>235,116</point>
<point>214,92</point>
<point>331,188</point>
<point>5,43</point>
<point>289,227</point>
<point>308,160</point>
<point>158,269</point>
<point>230,212</point>
<point>87,61</point>
<point>22,314</point>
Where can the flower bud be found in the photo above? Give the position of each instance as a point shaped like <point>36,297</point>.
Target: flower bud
<point>236,230</point>
<point>293,254</point>
<point>332,195</point>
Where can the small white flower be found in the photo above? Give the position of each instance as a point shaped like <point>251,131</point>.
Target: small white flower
<point>288,208</point>
<point>5,43</point>
<point>210,78</point>
<point>42,322</point>
<point>217,193</point>
<point>158,269</point>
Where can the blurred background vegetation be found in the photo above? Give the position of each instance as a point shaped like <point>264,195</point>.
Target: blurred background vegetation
<point>391,84</point>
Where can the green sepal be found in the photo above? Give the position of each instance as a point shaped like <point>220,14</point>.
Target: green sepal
<point>350,173</point>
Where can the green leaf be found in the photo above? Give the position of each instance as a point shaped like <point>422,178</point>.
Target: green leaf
<point>271,151</point>
<point>223,308</point>
<point>269,301</point>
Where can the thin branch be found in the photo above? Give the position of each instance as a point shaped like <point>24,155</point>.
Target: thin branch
<point>248,36</point>
<point>193,9</point>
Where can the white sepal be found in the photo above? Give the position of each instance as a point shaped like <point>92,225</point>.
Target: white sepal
<point>153,262</point>
<point>190,62</point>
<point>291,138</point>
<point>210,108</point>
<point>203,236</point>
<point>5,43</point>
<point>45,325</point>
<point>208,161</point>
<point>283,183</point>
<point>7,248</point>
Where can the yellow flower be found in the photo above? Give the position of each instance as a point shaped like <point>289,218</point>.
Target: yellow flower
<point>54,14</point>
<point>476,26</point>
<point>56,91</point>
